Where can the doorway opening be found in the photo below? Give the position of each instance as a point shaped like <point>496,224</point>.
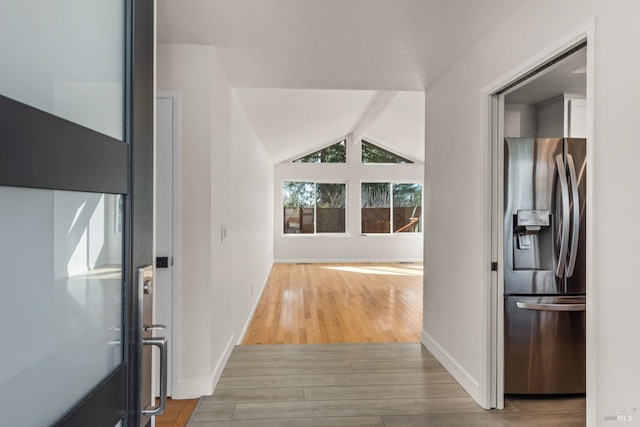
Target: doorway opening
<point>549,100</point>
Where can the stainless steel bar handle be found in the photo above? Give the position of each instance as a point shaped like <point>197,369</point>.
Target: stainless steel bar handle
<point>551,307</point>
<point>575,211</point>
<point>564,241</point>
<point>161,343</point>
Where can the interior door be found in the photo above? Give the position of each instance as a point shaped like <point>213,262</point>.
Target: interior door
<point>73,132</point>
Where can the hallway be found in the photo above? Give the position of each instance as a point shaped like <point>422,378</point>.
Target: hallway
<point>389,384</point>
<point>363,366</point>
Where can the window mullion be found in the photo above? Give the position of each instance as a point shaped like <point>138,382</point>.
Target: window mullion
<point>315,208</point>
<point>391,208</point>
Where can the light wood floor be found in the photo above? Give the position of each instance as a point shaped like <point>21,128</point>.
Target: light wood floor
<point>383,385</point>
<point>393,383</point>
<point>339,303</point>
<point>177,413</point>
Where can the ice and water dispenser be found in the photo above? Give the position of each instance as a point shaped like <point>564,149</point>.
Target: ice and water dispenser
<point>532,238</point>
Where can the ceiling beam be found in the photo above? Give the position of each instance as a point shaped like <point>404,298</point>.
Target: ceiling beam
<point>376,107</point>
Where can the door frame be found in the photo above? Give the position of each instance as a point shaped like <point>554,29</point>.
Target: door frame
<point>176,250</point>
<point>493,113</point>
<point>140,73</point>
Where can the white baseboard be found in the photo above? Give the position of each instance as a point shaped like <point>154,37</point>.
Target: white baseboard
<point>222,362</point>
<point>467,382</point>
<point>253,309</point>
<point>195,388</point>
<point>191,389</point>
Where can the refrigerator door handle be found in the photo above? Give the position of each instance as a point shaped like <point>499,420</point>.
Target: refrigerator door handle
<point>564,228</point>
<point>550,307</point>
<point>575,210</point>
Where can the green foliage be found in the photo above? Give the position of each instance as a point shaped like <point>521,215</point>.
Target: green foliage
<point>330,195</point>
<point>306,194</point>
<point>374,154</point>
<point>336,153</point>
<point>407,195</point>
<point>298,194</point>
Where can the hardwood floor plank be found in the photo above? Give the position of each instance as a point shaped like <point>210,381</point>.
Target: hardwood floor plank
<point>398,366</point>
<point>298,422</point>
<point>185,414</point>
<point>270,394</point>
<point>549,404</point>
<point>286,369</point>
<point>490,419</point>
<point>352,357</point>
<point>387,391</point>
<point>338,303</point>
<point>414,347</point>
<point>312,380</point>
<point>349,408</point>
<point>215,412</point>
<point>177,412</point>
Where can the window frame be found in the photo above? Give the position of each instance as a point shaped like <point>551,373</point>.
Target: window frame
<point>315,208</point>
<point>409,161</point>
<point>391,184</point>
<point>347,141</point>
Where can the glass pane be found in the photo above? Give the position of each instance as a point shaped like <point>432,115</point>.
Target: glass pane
<point>336,153</point>
<point>407,208</point>
<point>330,208</point>
<point>374,154</point>
<point>61,311</point>
<point>298,205</point>
<point>66,58</point>
<point>376,207</point>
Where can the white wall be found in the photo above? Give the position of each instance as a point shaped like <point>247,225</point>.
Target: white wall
<point>455,322</point>
<point>69,61</point>
<point>225,172</point>
<point>351,246</point>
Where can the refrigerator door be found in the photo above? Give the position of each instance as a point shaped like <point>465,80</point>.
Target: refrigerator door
<point>545,345</point>
<point>576,154</point>
<point>531,188</point>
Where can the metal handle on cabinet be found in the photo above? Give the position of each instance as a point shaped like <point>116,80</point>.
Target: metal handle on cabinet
<point>575,210</point>
<point>161,343</point>
<point>550,307</point>
<point>564,241</point>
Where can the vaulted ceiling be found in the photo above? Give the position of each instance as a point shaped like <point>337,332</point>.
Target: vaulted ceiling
<point>310,71</point>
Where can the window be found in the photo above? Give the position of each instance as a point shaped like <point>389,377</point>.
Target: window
<point>385,204</point>
<point>374,154</point>
<point>336,153</point>
<point>311,208</point>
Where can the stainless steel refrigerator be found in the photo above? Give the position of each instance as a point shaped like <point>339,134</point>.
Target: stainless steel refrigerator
<point>544,265</point>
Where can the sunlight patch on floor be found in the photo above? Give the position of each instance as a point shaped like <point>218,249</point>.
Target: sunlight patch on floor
<point>409,270</point>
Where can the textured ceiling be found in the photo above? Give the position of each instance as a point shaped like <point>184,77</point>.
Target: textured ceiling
<point>343,46</point>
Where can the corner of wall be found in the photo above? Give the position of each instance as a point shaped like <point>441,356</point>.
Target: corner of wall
<point>467,382</point>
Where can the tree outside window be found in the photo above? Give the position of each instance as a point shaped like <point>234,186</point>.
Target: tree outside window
<point>310,208</point>
<point>336,153</point>
<point>386,204</point>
